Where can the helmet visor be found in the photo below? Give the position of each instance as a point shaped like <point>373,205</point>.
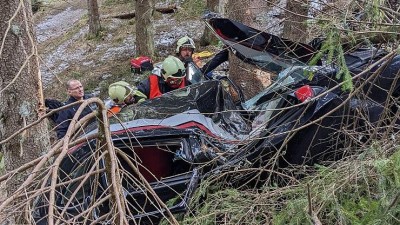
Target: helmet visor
<point>179,74</point>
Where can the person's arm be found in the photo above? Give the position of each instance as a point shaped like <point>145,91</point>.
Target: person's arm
<point>144,87</point>
<point>217,60</point>
<point>63,121</point>
<point>52,104</point>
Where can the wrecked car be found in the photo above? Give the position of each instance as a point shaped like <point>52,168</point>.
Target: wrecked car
<point>178,139</point>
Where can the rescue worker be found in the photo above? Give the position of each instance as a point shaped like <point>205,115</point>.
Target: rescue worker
<point>172,77</point>
<point>184,51</point>
<point>123,94</point>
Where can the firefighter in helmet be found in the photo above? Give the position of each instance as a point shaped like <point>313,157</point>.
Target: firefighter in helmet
<point>184,51</point>
<point>123,94</point>
<point>173,76</point>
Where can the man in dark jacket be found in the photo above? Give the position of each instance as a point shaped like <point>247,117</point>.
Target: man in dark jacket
<point>76,93</point>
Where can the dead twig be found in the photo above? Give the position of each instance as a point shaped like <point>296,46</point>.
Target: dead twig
<point>64,151</point>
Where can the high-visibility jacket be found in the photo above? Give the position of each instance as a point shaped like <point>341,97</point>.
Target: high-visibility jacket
<point>155,89</point>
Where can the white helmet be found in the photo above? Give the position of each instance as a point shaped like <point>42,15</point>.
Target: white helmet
<point>173,67</point>
<point>185,42</point>
<point>119,91</point>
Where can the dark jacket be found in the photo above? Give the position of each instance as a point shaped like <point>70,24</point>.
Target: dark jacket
<point>50,105</point>
<point>65,116</point>
<point>217,60</point>
<point>145,86</point>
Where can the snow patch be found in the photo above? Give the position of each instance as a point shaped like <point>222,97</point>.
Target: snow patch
<point>60,59</point>
<point>55,25</point>
<point>126,48</point>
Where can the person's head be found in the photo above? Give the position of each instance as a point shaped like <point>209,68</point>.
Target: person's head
<point>121,92</point>
<point>173,71</point>
<point>75,89</point>
<point>185,47</point>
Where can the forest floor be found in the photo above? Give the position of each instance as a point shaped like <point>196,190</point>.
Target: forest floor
<point>66,52</point>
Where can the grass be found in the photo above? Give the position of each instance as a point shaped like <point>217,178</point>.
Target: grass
<point>191,9</point>
<point>52,44</point>
<point>363,189</point>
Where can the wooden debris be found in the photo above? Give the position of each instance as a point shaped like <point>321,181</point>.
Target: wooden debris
<point>163,10</point>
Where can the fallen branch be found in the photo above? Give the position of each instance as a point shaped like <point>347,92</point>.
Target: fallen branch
<point>64,151</point>
<point>313,215</point>
<point>39,120</point>
<point>112,170</point>
<point>163,10</point>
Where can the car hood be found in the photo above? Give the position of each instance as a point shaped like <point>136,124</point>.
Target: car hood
<point>206,106</point>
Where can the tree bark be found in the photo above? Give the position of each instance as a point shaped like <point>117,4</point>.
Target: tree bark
<point>21,96</point>
<point>208,37</point>
<point>144,27</point>
<point>295,27</point>
<point>94,18</point>
<point>248,77</point>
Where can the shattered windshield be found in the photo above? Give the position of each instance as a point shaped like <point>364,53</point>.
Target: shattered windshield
<point>193,73</point>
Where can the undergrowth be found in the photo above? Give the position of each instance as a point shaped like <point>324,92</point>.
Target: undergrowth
<point>190,9</point>
<point>360,190</point>
<point>345,31</point>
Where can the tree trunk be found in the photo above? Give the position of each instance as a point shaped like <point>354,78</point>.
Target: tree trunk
<point>144,28</point>
<point>94,18</point>
<point>248,77</point>
<point>208,37</point>
<point>21,96</point>
<point>295,27</point>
